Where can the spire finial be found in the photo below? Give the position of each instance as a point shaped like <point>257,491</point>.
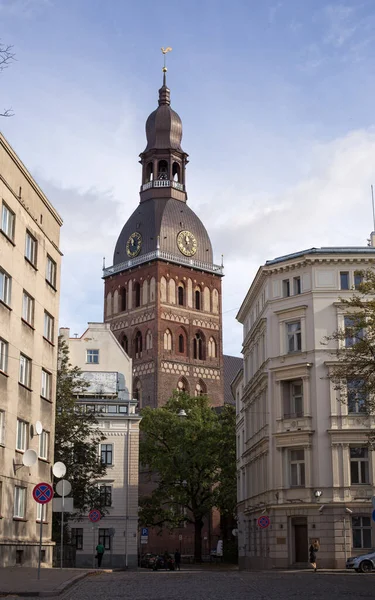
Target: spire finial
<point>164,69</point>
<point>164,94</point>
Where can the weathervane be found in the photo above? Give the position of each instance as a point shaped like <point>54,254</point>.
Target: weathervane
<point>165,51</point>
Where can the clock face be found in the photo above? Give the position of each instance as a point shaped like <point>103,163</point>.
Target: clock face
<point>134,244</point>
<point>187,244</point>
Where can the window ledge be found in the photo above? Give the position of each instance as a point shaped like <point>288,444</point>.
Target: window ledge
<point>30,263</point>
<point>3,373</point>
<point>49,341</point>
<point>7,237</point>
<point>27,323</point>
<point>44,460</point>
<point>29,389</point>
<point>22,519</point>
<point>46,399</point>
<point>44,522</point>
<point>20,451</point>
<point>51,285</point>
<point>2,303</point>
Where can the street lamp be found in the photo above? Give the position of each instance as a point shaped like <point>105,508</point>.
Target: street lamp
<point>182,413</point>
<point>318,494</point>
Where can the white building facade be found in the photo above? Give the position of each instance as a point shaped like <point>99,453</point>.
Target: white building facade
<point>108,369</point>
<point>303,459</point>
<point>29,309</point>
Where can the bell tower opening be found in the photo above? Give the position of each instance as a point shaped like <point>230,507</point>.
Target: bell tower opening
<point>163,169</point>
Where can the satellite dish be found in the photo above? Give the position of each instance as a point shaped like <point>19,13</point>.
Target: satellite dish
<point>29,458</point>
<point>59,469</point>
<point>63,487</point>
<point>38,427</point>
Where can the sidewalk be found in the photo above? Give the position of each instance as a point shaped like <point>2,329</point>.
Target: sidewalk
<point>23,581</point>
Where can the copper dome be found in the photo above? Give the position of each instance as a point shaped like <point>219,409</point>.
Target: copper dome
<point>164,126</point>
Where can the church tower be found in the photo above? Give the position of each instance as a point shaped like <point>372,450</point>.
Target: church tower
<point>163,292</point>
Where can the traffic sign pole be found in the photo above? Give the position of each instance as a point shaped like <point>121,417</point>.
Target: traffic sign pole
<point>40,539</point>
<point>42,493</point>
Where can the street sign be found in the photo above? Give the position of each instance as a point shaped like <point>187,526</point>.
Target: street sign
<point>144,539</point>
<point>144,531</point>
<point>43,493</point>
<point>57,505</point>
<point>95,515</point>
<point>373,515</point>
<point>264,522</point>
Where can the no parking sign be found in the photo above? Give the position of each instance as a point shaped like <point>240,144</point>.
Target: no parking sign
<point>264,522</point>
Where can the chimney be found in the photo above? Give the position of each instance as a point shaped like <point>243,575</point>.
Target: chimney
<point>65,333</point>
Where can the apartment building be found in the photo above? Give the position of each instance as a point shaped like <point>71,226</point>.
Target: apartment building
<point>108,370</point>
<point>303,459</point>
<point>29,308</point>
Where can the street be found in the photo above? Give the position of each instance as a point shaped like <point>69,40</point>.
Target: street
<point>195,584</point>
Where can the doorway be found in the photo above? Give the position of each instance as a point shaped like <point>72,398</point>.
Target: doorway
<point>300,540</point>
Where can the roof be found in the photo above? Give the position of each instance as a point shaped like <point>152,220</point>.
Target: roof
<point>324,250</point>
<point>232,364</point>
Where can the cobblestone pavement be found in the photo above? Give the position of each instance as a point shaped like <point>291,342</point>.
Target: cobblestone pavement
<point>223,585</point>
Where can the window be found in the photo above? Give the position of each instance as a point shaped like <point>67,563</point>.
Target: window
<point>28,308</point>
<point>105,492</point>
<point>344,280</point>
<point>44,445</point>
<point>125,343</point>
<point>51,271</point>
<point>5,287</point>
<point>198,347</point>
<point>286,288</point>
<point>25,371</point>
<point>297,468</point>
<point>359,471</point>
<point>353,331</point>
<point>39,512</point>
<point>181,343</point>
<point>211,348</point>
<point>181,295</point>
<point>167,340</point>
<point>92,356</point>
<point>3,355</point>
<point>76,537</point>
<point>138,345</point>
<point>49,323</point>
<point>123,296</point>
<point>46,385</point>
<point>294,336</point>
<point>292,392</point>
<point>296,285</point>
<point>19,510</point>
<point>200,389</point>
<point>30,248</point>
<point>137,294</point>
<point>197,299</point>
<point>358,279</point>
<point>148,340</point>
<point>106,454</point>
<point>356,396</point>
<point>105,538</point>
<point>8,220</point>
<point>22,435</point>
<point>2,428</point>
<point>361,527</point>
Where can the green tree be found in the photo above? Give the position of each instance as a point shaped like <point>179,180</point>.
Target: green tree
<point>77,437</point>
<point>191,460</point>
<point>353,370</point>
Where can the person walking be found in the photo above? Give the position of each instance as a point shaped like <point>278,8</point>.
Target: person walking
<point>312,551</point>
<point>177,560</point>
<point>99,554</point>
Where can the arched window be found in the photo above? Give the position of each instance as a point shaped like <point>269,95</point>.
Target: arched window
<point>137,294</point>
<point>137,391</point>
<point>124,343</point>
<point>145,292</point>
<point>200,388</point>
<point>198,347</point>
<point>181,294</point>
<point>149,340</point>
<point>163,169</point>
<point>206,300</point>
<point>115,302</point>
<point>123,302</point>
<point>197,298</point>
<point>163,289</point>
<point>172,291</point>
<point>176,172</point>
<point>152,289</point>
<point>181,343</point>
<point>211,348</point>
<point>149,172</point>
<point>109,304</point>
<point>167,340</point>
<point>182,385</point>
<point>215,301</point>
<point>138,345</point>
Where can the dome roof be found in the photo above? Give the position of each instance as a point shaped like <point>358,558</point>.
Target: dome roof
<point>164,126</point>
<point>163,218</point>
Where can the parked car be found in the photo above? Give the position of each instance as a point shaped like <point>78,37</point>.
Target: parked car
<point>147,560</point>
<point>163,562</point>
<point>364,563</point>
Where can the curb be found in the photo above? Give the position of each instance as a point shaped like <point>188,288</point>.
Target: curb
<point>54,592</point>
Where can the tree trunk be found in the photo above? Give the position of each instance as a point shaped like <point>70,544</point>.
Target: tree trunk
<point>198,524</point>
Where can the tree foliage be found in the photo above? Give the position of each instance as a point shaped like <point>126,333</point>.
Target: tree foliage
<point>77,436</point>
<point>192,461</point>
<point>353,371</point>
<point>6,57</point>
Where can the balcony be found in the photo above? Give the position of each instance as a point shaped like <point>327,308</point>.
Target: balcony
<point>166,256</point>
<point>162,183</point>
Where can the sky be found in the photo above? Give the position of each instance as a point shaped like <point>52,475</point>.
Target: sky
<point>276,100</point>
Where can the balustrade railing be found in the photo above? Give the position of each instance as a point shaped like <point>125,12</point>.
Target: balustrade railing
<point>162,183</point>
